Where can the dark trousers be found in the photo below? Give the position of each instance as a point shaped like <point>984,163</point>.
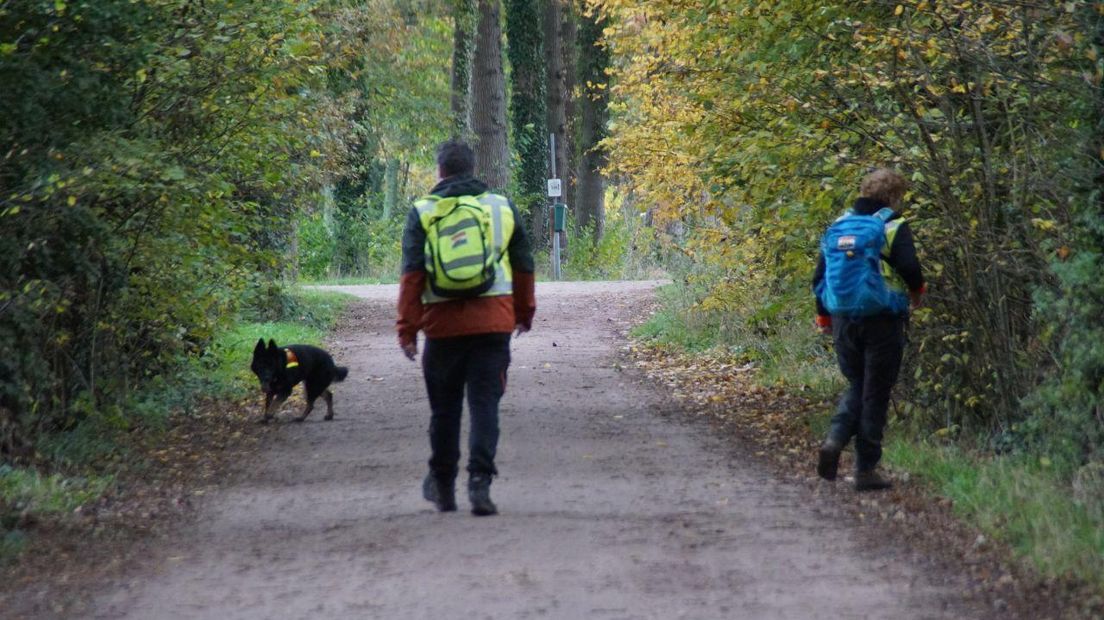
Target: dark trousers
<point>450,365</point>
<point>869,352</point>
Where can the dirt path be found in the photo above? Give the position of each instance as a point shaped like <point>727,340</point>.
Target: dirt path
<point>610,507</point>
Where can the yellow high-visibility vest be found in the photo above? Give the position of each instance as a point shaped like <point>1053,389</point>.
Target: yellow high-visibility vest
<point>465,248</point>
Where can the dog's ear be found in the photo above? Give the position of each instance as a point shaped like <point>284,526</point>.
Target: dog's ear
<point>272,345</point>
<point>260,348</point>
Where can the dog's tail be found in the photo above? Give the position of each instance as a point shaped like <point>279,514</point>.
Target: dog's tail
<point>340,372</point>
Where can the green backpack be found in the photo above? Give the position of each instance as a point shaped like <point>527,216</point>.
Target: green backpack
<point>460,253</point>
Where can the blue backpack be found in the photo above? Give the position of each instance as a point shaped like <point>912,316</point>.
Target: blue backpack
<point>853,284</point>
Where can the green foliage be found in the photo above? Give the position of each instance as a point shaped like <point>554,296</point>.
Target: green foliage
<point>316,247</point>
<point>747,126</point>
<point>772,333</point>
<point>158,157</point>
<point>104,440</point>
<point>34,493</point>
<point>1020,499</point>
<point>220,370</point>
<point>1067,418</point>
<point>147,185</point>
<point>627,250</point>
<point>361,246</point>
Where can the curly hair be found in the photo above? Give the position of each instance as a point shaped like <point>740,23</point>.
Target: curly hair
<point>883,185</point>
<point>455,157</point>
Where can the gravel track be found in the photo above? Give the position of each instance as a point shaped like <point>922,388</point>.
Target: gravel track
<point>612,505</point>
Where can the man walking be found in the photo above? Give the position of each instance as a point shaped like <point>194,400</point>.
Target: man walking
<point>467,282</point>
<point>866,278</point>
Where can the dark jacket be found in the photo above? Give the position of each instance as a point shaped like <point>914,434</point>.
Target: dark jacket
<point>462,317</point>
<point>902,254</point>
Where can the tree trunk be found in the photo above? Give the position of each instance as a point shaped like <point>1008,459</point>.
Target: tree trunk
<point>556,116</point>
<point>390,188</point>
<point>593,60</point>
<point>569,58</point>
<point>525,46</point>
<point>463,45</point>
<point>492,157</point>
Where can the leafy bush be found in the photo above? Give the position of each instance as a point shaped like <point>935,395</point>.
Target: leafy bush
<point>627,249</point>
<point>360,244</point>
<point>150,186</point>
<point>316,248</point>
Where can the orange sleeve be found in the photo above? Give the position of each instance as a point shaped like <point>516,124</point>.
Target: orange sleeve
<point>410,306</point>
<point>525,298</point>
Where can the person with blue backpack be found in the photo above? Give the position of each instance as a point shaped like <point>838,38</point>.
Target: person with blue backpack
<point>866,280</point>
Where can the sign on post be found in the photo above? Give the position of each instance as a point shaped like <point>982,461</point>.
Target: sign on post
<point>555,189</point>
<point>559,217</point>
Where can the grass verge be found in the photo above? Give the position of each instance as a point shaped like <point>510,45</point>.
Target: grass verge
<point>1017,499</point>
<point>785,351</point>
<point>83,462</point>
<point>224,368</point>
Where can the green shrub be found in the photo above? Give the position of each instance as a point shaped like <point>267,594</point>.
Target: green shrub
<point>1020,499</point>
<point>150,184</point>
<point>626,250</point>
<point>316,248</point>
<point>362,246</point>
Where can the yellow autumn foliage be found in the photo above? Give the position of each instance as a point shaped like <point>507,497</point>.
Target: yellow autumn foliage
<point>749,124</point>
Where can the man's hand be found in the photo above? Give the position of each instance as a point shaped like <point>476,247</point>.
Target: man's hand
<point>824,325</point>
<point>410,350</point>
<point>520,329</point>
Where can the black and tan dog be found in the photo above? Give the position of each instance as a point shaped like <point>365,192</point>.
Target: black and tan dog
<point>282,368</point>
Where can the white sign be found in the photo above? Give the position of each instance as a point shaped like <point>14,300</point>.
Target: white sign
<point>554,189</point>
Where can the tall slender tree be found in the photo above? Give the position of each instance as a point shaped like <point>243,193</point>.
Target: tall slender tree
<point>569,57</point>
<point>463,46</point>
<point>557,93</point>
<point>492,156</point>
<point>524,36</point>
<point>593,104</point>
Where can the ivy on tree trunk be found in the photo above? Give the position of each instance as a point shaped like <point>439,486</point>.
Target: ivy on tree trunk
<point>464,25</point>
<point>527,107</point>
<point>593,61</point>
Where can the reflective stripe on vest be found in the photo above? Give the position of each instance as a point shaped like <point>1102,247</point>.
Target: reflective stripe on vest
<point>893,280</point>
<point>502,226</point>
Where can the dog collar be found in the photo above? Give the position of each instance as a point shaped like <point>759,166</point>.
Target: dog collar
<point>292,361</point>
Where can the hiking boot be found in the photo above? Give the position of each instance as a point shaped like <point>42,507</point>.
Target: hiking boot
<point>441,494</point>
<point>871,481</point>
<point>479,492</point>
<point>828,463</point>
